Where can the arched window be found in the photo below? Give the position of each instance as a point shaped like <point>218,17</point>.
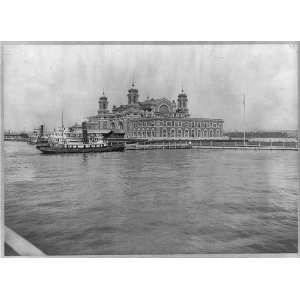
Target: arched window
<point>148,133</point>
<point>192,133</point>
<point>218,132</point>
<point>121,125</point>
<point>205,133</point>
<point>211,133</point>
<point>199,133</point>
<point>172,132</point>
<point>112,125</point>
<point>164,109</point>
<point>104,124</point>
<point>179,133</point>
<point>186,133</point>
<point>164,132</point>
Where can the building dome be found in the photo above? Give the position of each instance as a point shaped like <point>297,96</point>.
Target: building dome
<point>102,97</point>
<point>182,94</point>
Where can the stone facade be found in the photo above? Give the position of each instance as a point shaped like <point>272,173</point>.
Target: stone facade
<point>153,119</point>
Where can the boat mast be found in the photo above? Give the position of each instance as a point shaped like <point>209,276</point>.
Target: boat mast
<point>62,123</point>
<point>244,125</point>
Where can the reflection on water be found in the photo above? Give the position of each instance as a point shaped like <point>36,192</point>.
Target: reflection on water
<point>153,202</point>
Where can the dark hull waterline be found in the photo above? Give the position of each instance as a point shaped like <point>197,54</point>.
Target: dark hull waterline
<point>87,149</point>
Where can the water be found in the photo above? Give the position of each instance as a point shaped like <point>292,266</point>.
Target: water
<point>153,202</point>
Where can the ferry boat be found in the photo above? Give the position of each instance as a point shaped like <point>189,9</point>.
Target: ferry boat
<point>81,148</point>
<point>62,141</point>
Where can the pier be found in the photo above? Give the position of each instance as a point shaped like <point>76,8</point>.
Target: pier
<point>184,146</point>
<point>213,144</point>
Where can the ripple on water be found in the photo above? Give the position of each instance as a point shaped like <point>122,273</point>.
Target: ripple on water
<point>153,202</point>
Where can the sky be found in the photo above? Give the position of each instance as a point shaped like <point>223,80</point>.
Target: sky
<point>41,81</point>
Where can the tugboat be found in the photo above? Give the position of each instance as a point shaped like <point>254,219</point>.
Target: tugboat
<point>38,137</point>
<point>62,143</point>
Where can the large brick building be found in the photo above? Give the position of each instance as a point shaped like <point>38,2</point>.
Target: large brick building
<point>152,119</point>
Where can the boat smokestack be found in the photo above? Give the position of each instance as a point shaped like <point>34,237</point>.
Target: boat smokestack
<point>84,133</point>
<point>42,130</point>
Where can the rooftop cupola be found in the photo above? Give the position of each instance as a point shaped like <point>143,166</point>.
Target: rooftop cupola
<point>103,104</point>
<point>182,102</point>
<point>133,95</point>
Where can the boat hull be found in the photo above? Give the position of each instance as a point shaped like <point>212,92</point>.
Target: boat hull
<point>87,149</point>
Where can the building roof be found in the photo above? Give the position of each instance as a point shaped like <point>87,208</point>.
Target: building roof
<point>106,131</point>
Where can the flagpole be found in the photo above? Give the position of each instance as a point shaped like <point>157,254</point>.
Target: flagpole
<point>244,120</point>
<point>62,124</point>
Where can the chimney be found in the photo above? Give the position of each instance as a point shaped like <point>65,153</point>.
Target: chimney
<point>41,130</point>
